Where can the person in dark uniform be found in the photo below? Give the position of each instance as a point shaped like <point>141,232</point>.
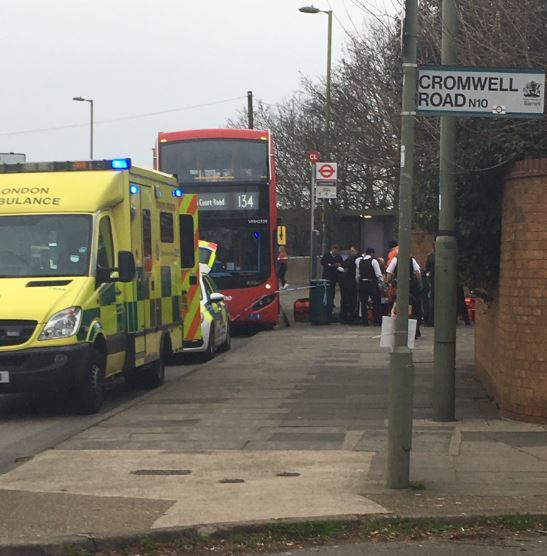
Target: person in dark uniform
<point>348,287</point>
<point>414,287</point>
<point>331,262</point>
<point>429,303</point>
<point>369,278</point>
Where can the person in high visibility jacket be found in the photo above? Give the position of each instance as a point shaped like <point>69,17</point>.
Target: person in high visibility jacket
<point>393,252</point>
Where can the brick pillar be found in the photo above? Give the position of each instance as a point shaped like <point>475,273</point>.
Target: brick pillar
<point>511,332</point>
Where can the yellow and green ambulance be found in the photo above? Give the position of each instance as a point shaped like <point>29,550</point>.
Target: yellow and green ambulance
<point>90,276</point>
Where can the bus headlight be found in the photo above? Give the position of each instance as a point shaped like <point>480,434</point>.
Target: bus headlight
<point>264,301</point>
<point>63,324</point>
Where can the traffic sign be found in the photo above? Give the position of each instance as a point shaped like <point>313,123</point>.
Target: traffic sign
<point>282,235</point>
<point>480,92</point>
<point>327,171</point>
<point>313,156</point>
<point>325,190</point>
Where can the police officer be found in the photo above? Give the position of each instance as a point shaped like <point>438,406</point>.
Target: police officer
<point>348,287</point>
<point>414,288</point>
<point>331,262</point>
<point>369,278</point>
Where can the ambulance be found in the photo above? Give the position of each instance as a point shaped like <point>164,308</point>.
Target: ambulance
<point>90,276</point>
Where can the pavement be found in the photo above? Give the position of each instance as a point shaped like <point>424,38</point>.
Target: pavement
<point>290,425</point>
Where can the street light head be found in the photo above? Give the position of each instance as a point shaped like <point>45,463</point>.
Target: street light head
<point>309,10</point>
<point>79,99</point>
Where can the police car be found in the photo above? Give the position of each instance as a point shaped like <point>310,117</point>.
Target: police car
<point>215,321</point>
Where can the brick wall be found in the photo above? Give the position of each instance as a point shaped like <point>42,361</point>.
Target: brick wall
<point>421,244</point>
<point>511,332</point>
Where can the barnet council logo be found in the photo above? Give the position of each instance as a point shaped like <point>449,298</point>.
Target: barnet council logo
<point>532,90</point>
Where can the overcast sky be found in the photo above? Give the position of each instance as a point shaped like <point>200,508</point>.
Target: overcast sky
<point>135,57</point>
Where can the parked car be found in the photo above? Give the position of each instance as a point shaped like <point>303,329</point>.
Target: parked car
<point>215,321</point>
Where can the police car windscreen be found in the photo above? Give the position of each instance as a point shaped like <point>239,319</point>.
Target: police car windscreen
<point>215,160</point>
<point>44,245</point>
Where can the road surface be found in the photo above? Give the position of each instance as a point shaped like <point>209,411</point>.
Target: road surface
<point>30,423</point>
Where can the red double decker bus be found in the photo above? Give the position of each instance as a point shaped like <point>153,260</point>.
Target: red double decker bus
<point>233,173</point>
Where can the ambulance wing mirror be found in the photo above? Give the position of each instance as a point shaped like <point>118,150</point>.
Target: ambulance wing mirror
<point>126,266</point>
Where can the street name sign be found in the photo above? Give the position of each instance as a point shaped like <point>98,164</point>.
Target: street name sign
<point>480,92</point>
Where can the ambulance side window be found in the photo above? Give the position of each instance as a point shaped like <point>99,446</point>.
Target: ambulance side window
<point>187,240</point>
<point>105,255</point>
<point>147,239</point>
<point>166,227</point>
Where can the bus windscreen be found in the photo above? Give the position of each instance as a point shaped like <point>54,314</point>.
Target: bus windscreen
<point>243,251</point>
<point>214,160</point>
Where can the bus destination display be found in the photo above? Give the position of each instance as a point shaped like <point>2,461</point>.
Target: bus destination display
<point>228,200</point>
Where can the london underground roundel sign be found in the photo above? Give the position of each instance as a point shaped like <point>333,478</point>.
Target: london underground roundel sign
<point>327,171</point>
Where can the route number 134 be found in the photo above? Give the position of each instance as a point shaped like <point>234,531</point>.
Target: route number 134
<point>245,201</point>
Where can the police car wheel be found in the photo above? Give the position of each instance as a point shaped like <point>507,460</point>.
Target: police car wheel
<point>89,393</point>
<point>228,341</point>
<point>209,353</point>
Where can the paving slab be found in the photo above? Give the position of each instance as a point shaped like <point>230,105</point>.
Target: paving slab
<point>226,486</point>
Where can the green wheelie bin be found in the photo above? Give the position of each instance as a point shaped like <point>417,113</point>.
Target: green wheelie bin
<point>320,302</point>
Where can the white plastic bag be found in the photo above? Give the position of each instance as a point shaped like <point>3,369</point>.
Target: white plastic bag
<point>387,338</point>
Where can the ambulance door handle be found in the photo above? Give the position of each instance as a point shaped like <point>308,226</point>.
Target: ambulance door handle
<point>118,292</point>
<point>152,284</point>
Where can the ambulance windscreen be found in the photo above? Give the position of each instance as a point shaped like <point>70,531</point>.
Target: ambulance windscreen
<point>45,245</point>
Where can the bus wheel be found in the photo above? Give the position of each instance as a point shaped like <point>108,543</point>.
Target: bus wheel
<point>154,375</point>
<point>89,394</point>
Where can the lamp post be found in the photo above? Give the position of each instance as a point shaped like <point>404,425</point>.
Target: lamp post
<point>314,10</point>
<point>401,368</point>
<point>82,99</point>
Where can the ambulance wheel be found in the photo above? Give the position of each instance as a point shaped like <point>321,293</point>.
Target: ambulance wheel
<point>228,341</point>
<point>211,350</point>
<point>89,394</point>
<point>154,375</point>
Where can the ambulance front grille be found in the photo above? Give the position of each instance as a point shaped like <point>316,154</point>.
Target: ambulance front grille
<point>15,332</point>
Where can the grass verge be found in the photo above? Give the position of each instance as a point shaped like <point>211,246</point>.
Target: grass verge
<point>292,535</point>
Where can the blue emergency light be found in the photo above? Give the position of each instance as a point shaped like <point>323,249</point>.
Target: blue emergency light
<point>121,164</point>
<point>256,235</point>
<point>133,189</point>
<point>178,192</point>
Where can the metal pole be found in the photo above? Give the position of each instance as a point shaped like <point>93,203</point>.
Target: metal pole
<point>446,246</point>
<point>313,262</point>
<point>401,371</point>
<point>250,114</point>
<point>324,230</point>
<point>91,130</point>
